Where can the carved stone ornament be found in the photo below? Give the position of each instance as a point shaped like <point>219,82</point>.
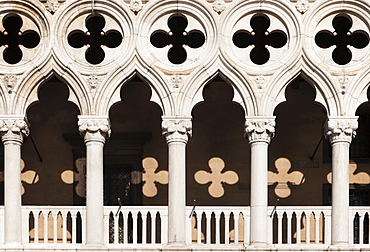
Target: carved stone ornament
<point>219,6</point>
<point>259,129</point>
<point>10,81</point>
<point>13,129</point>
<point>52,5</point>
<point>260,81</point>
<point>302,6</point>
<point>136,6</point>
<point>176,81</point>
<point>177,129</point>
<point>94,129</point>
<point>343,81</point>
<point>93,81</point>
<point>341,130</point>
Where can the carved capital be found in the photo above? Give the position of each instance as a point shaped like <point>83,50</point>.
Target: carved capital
<point>13,128</point>
<point>94,128</point>
<point>260,129</point>
<point>341,129</point>
<point>176,129</point>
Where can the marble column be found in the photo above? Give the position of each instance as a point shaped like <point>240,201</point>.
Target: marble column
<point>177,131</point>
<point>95,130</point>
<point>13,129</point>
<point>259,131</point>
<point>340,131</point>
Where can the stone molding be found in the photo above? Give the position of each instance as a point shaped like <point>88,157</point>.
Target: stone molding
<point>13,128</point>
<point>94,128</point>
<point>176,129</point>
<point>259,129</point>
<point>340,129</point>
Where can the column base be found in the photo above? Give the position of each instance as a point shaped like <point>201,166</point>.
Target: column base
<point>94,247</point>
<point>175,246</point>
<point>259,245</point>
<point>341,247</point>
<point>13,247</point>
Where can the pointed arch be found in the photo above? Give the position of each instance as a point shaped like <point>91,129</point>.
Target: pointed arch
<point>158,85</point>
<point>325,91</point>
<point>28,88</point>
<point>243,93</point>
<point>358,88</point>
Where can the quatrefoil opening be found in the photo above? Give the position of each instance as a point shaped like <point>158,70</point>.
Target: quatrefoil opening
<point>260,39</point>
<point>12,38</point>
<point>95,38</point>
<point>177,39</point>
<point>342,38</point>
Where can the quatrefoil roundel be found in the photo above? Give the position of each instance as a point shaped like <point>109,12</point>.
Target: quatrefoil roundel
<point>177,38</point>
<point>95,38</point>
<point>12,38</point>
<point>342,38</point>
<point>259,38</point>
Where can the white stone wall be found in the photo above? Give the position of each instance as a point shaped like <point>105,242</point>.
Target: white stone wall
<point>177,87</point>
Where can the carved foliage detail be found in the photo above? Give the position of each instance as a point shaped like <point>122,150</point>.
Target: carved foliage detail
<point>94,129</point>
<point>177,129</point>
<point>259,130</point>
<point>341,130</point>
<point>136,6</point>
<point>13,129</point>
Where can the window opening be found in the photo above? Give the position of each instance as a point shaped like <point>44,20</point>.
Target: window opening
<point>259,38</point>
<point>177,38</point>
<point>342,38</point>
<point>12,38</point>
<point>95,38</point>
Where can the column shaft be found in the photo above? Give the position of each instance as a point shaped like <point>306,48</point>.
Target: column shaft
<point>259,167</point>
<point>176,192</point>
<point>176,131</point>
<point>340,131</point>
<point>12,192</point>
<point>259,131</point>
<point>94,193</point>
<point>94,130</point>
<point>340,193</point>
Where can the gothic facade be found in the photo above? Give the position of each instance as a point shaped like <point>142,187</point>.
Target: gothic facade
<point>205,125</point>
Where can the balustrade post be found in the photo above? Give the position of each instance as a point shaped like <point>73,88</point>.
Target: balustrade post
<point>340,131</point>
<point>13,130</point>
<point>259,131</point>
<point>177,131</point>
<point>95,130</point>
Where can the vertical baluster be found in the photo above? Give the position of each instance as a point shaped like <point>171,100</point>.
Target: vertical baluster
<point>199,228</point>
<point>217,217</point>
<point>352,215</point>
<point>134,227</point>
<point>164,225</point>
<point>144,228</point>
<point>83,221</point>
<point>208,227</point>
<point>308,227</point>
<point>227,227</point>
<point>74,234</point>
<point>106,227</point>
<point>125,227</point>
<point>46,227</point>
<point>360,223</point>
<point>327,227</point>
<point>247,229</point>
<point>153,216</point>
<point>289,226</point>
<point>25,223</point>
<point>115,228</point>
<point>236,227</point>
<point>270,230</point>
<point>55,227</point>
<point>298,224</point>
<point>65,215</point>
<point>317,227</point>
<point>280,226</point>
<point>36,233</point>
